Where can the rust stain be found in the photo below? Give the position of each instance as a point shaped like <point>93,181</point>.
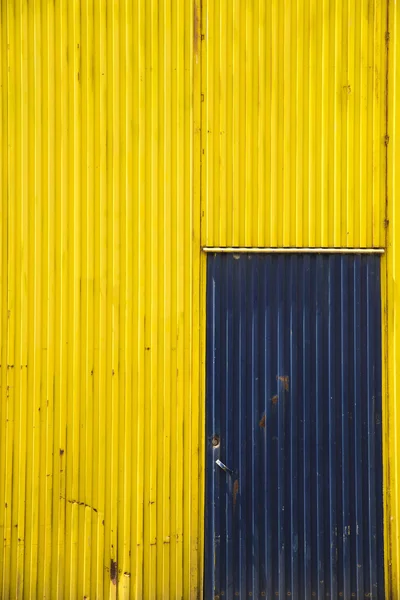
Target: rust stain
<point>113,571</point>
<point>285,380</point>
<point>235,491</point>
<point>263,421</point>
<point>196,27</point>
<point>274,399</point>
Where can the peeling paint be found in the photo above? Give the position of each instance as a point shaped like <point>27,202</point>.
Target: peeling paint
<point>235,492</point>
<point>113,571</point>
<point>80,504</point>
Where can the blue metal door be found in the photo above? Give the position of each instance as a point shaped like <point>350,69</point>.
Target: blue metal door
<point>294,504</point>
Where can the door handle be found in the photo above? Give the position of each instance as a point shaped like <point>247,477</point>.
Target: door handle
<point>223,467</point>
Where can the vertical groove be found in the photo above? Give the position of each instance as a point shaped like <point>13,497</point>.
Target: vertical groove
<point>306,441</point>
<point>253,427</point>
<point>168,399</point>
<point>332,432</point>
<point>294,431</point>
<point>319,424</point>
<point>274,127</point>
<point>3,267</point>
<point>11,315</point>
<point>327,237</point>
<point>248,164</point>
<point>235,121</point>
<point>259,213</point>
<point>14,285</point>
<point>317,84</point>
<point>359,318</point>
<point>299,186</point>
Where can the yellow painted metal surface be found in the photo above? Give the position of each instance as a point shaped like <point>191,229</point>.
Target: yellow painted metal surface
<point>99,304</point>
<point>392,420</point>
<point>102,289</point>
<point>293,123</point>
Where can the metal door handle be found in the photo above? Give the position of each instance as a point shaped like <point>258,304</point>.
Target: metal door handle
<point>224,467</point>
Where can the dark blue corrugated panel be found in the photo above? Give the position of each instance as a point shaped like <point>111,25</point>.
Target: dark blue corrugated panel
<point>294,411</point>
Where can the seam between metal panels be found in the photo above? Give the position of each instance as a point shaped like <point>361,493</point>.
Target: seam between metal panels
<point>202,115</point>
<point>242,206</point>
<point>200,287</point>
<point>94,200</point>
<point>299,250</point>
<point>387,139</point>
<point>201,99</point>
<point>387,530</point>
<point>202,318</point>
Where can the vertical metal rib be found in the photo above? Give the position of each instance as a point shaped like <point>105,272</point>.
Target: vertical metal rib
<point>294,341</point>
<point>320,410</point>
<point>333,390</point>
<point>345,525</point>
<point>306,434</point>
<point>359,317</point>
<point>281,378</point>
<point>229,441</point>
<point>254,447</point>
<point>242,437</point>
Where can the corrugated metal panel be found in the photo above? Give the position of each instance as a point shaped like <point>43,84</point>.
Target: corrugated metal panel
<point>99,413</point>
<point>293,123</point>
<point>391,316</point>
<point>294,396</point>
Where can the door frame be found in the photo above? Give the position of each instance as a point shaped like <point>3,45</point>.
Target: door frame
<point>389,444</point>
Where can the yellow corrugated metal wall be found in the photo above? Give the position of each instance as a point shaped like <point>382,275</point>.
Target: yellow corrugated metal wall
<point>299,150</point>
<point>392,318</point>
<point>293,123</point>
<point>99,304</point>
<point>101,294</point>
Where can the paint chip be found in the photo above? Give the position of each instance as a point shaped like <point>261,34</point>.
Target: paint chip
<point>285,380</point>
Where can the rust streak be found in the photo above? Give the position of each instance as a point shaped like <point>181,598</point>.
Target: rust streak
<point>263,421</point>
<point>79,503</point>
<point>274,399</point>
<point>113,571</point>
<point>235,492</point>
<point>285,380</point>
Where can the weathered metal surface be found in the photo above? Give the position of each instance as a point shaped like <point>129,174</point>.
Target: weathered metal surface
<point>294,397</point>
<point>99,300</point>
<point>391,315</point>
